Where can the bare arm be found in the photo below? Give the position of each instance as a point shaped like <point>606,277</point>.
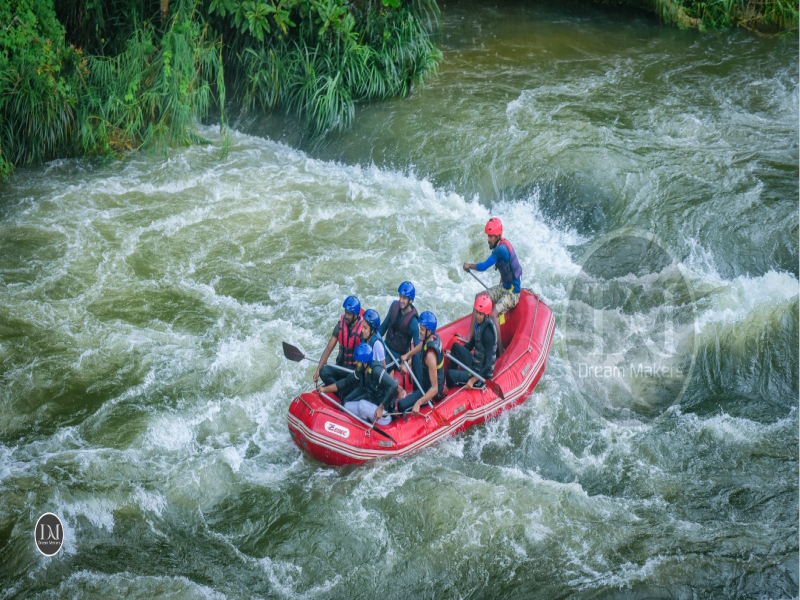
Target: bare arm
<point>411,352</point>
<point>430,360</point>
<point>328,349</point>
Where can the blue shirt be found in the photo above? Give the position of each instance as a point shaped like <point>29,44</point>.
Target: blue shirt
<point>500,254</point>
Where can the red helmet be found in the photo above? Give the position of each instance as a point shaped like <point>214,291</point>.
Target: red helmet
<point>483,304</point>
<point>494,227</point>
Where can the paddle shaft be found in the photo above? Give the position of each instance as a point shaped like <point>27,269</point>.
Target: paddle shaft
<point>296,355</point>
<point>414,377</point>
<point>478,279</point>
<point>405,362</point>
<point>389,352</point>
<point>344,410</point>
<point>335,366</point>
<point>458,362</point>
<point>419,387</point>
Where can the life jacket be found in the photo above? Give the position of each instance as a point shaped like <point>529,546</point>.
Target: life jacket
<point>397,336</point>
<point>371,379</point>
<point>433,343</point>
<point>509,271</point>
<point>483,366</point>
<point>348,340</point>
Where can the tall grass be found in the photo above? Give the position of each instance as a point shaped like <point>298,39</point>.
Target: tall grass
<point>322,66</point>
<point>146,81</point>
<point>758,15</point>
<point>153,92</point>
<point>54,101</point>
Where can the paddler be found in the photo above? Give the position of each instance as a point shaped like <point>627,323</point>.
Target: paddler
<point>432,380</point>
<point>368,386</point>
<point>505,295</point>
<point>400,328</point>
<point>370,335</point>
<point>479,351</point>
<point>347,333</point>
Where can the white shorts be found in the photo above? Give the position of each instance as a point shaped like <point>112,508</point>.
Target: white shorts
<point>365,410</point>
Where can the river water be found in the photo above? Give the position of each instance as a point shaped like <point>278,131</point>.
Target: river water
<point>144,393</point>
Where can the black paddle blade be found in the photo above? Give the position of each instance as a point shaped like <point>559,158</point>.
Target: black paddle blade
<point>495,388</point>
<point>292,353</point>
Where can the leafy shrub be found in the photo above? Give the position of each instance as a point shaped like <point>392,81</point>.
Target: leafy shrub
<point>41,80</point>
<point>315,58</point>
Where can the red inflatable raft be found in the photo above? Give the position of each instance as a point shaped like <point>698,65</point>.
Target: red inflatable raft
<point>320,427</point>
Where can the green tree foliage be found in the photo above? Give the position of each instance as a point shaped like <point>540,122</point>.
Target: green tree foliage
<point>84,77</point>
<point>55,101</point>
<point>315,58</point>
<point>707,15</point>
<point>105,76</point>
<point>40,82</point>
<point>154,90</point>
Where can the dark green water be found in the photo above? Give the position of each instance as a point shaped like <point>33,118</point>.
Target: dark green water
<point>144,393</point>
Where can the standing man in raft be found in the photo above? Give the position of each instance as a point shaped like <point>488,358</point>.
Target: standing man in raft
<point>505,295</point>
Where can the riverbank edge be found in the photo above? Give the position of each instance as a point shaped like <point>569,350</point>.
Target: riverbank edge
<point>57,101</point>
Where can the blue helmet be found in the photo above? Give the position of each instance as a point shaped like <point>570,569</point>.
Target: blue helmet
<point>407,289</point>
<point>363,353</point>
<point>352,304</point>
<point>372,317</point>
<point>428,321</point>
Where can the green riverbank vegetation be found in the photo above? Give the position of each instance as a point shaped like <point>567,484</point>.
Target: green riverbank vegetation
<point>103,77</point>
<point>765,17</point>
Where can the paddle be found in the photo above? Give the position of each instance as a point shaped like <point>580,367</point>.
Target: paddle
<point>478,279</point>
<point>296,355</point>
<point>489,383</point>
<point>442,420</point>
<point>486,286</point>
<point>414,377</point>
<point>385,347</point>
<point>344,410</point>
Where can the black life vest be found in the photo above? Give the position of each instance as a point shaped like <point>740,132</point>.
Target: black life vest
<point>348,340</point>
<point>433,344</point>
<point>397,336</point>
<point>371,379</point>
<point>479,351</point>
